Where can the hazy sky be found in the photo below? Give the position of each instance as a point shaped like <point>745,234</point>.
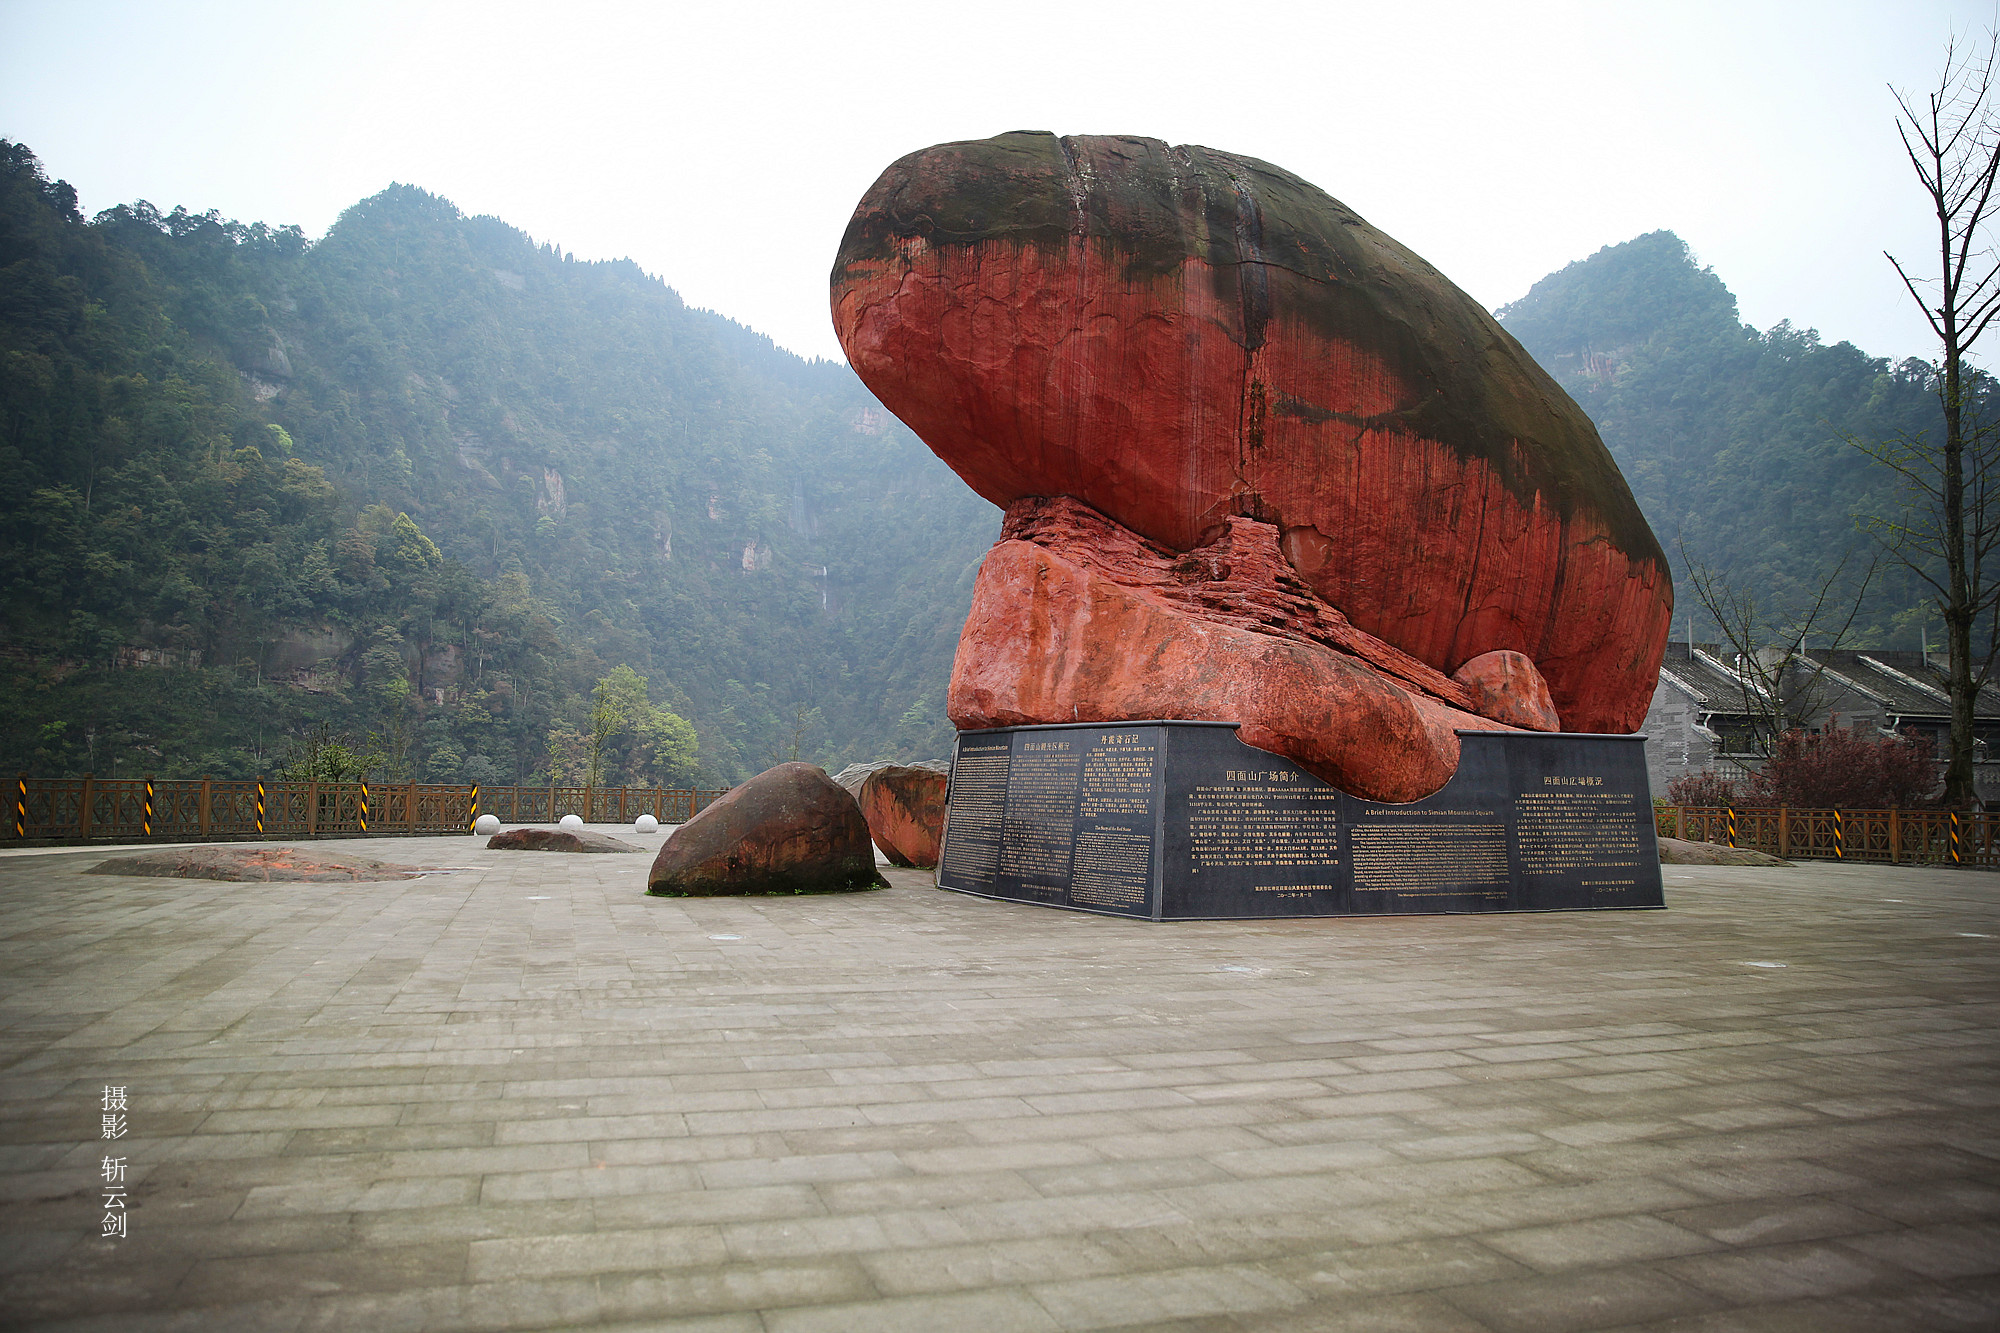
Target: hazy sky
<point>723,146</point>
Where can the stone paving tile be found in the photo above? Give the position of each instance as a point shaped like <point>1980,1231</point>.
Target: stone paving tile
<point>1410,1266</point>
<point>523,1095</point>
<point>1598,1243</point>
<point>1114,1177</point>
<point>475,1222</point>
<point>1935,1201</point>
<point>580,1254</point>
<point>1944,1251</point>
<point>1140,1298</point>
<point>1772,1221</point>
<point>924,1191</point>
<point>1592,1299</point>
<point>1939,1308</point>
<point>1001,1310</point>
<point>1783,1272</point>
<point>1420,1313</point>
<point>990,1264</point>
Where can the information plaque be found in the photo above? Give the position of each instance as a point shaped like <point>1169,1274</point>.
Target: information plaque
<point>1177,820</point>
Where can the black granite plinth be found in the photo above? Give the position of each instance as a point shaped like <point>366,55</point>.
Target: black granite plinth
<point>1173,820</point>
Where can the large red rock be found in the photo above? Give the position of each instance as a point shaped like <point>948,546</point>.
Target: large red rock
<point>790,829</point>
<point>904,808</point>
<point>1179,337</point>
<point>1075,618</point>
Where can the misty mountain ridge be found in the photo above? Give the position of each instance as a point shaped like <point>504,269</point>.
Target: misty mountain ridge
<point>607,476</point>
<point>1735,442</point>
<point>1623,296</point>
<point>428,480</point>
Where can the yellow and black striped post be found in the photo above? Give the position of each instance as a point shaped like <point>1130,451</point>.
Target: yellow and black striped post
<point>20,805</point>
<point>260,803</point>
<point>1731,813</point>
<point>364,807</point>
<point>472,818</point>
<point>146,819</point>
<point>1957,855</point>
<point>1839,837</point>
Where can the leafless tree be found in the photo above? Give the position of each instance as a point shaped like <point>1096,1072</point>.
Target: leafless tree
<point>1949,530</point>
<point>1782,686</point>
<point>805,721</point>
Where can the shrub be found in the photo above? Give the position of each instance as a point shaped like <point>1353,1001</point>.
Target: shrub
<point>1704,788</point>
<point>1839,770</point>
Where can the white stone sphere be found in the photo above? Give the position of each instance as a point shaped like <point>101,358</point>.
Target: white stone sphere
<point>646,824</point>
<point>486,825</point>
<point>572,821</point>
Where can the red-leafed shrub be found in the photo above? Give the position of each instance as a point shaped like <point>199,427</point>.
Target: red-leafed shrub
<point>1838,770</point>
<point>1707,787</point>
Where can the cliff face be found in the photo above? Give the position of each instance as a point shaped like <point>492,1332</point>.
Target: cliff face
<point>1176,336</point>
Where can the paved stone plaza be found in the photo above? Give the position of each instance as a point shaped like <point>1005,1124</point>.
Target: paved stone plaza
<point>525,1095</point>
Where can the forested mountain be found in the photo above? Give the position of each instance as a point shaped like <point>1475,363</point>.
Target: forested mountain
<point>429,489</point>
<point>1735,442</point>
<point>427,481</point>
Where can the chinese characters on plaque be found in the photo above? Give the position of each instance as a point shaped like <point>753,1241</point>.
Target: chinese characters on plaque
<point>1181,819</point>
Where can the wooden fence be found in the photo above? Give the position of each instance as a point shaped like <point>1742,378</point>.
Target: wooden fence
<point>1910,837</point>
<point>193,809</point>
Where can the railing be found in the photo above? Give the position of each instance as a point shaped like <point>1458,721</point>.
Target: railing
<point>1910,837</point>
<point>195,809</point>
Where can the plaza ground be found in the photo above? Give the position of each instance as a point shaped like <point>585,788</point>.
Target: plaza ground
<point>525,1095</point>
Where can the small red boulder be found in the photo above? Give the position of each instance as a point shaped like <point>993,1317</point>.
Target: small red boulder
<point>1505,686</point>
<point>904,808</point>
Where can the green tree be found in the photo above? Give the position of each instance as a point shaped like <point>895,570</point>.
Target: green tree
<point>321,756</point>
<point>566,750</point>
<point>609,715</point>
<point>659,748</point>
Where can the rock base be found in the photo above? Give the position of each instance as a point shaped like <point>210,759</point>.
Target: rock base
<point>1076,618</point>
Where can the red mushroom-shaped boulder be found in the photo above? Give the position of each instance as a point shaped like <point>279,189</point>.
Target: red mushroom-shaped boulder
<point>1178,338</point>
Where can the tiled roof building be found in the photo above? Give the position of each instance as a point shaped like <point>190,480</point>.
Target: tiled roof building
<point>1701,715</point>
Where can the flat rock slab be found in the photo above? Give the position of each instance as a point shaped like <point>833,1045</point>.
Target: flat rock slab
<point>1676,852</point>
<point>302,865</point>
<point>851,777</point>
<point>556,840</point>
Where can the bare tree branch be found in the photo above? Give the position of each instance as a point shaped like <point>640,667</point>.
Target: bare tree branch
<point>1780,684</point>
<point>1950,529</point>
